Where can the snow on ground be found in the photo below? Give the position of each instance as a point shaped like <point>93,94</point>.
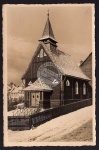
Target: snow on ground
<point>54,129</point>
<point>22,112</point>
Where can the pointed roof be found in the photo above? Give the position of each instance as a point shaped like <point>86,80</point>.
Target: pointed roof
<point>38,85</point>
<point>48,32</point>
<point>85,59</point>
<point>62,61</point>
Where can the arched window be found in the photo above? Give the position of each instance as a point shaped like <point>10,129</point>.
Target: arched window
<point>38,55</point>
<point>41,53</point>
<point>45,54</point>
<point>30,83</point>
<point>23,81</point>
<point>76,88</point>
<point>84,89</point>
<point>67,83</point>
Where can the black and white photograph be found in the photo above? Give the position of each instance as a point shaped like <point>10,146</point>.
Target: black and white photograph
<point>49,74</point>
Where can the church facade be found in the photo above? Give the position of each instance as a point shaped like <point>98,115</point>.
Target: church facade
<point>73,85</point>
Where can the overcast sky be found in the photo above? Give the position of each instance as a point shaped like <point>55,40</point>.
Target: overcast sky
<point>72,27</point>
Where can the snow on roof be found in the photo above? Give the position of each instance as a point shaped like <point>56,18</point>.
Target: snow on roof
<point>16,89</point>
<point>65,63</point>
<point>8,87</point>
<point>38,85</point>
<point>62,61</point>
<point>20,88</point>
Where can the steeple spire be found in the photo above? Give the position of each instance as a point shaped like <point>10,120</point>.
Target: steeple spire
<point>48,32</point>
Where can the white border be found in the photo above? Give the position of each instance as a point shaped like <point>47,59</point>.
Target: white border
<point>25,144</point>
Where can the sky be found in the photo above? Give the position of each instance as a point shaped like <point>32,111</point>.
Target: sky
<point>71,24</point>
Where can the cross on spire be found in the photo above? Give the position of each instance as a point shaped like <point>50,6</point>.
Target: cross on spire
<point>48,13</point>
<point>48,32</point>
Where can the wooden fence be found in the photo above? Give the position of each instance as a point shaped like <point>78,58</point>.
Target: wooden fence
<point>26,122</point>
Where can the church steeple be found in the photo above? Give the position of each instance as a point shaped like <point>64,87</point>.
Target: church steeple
<point>48,35</point>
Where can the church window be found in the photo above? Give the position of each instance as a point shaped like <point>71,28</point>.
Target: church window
<point>41,53</point>
<point>23,81</point>
<point>67,83</point>
<point>30,83</point>
<point>44,54</point>
<point>38,55</point>
<point>84,89</point>
<point>76,88</point>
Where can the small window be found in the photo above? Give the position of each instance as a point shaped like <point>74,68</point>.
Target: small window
<point>38,55</point>
<point>23,81</point>
<point>67,83</point>
<point>45,54</point>
<point>76,88</point>
<point>41,53</point>
<point>37,96</point>
<point>30,83</point>
<point>33,96</point>
<point>84,89</point>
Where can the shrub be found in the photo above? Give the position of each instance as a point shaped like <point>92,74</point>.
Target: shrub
<point>12,104</point>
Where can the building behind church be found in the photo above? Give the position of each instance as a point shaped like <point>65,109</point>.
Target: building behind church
<point>86,67</point>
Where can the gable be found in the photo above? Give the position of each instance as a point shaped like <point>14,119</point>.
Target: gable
<point>40,56</point>
<point>61,60</point>
<point>87,60</point>
<point>86,66</point>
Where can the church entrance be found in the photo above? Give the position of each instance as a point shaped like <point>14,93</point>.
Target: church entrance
<point>35,98</point>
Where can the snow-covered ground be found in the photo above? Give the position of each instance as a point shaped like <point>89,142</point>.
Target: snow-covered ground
<point>54,129</point>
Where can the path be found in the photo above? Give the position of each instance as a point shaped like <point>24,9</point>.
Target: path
<point>55,129</point>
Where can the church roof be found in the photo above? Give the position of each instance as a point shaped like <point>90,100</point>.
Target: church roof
<point>48,32</point>
<point>62,61</point>
<point>65,63</point>
<point>38,85</point>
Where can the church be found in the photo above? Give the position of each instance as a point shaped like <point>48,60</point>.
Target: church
<point>73,85</point>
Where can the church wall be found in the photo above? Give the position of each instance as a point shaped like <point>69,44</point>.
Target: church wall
<point>55,96</point>
<point>46,101</point>
<point>87,69</point>
<point>70,91</point>
<point>31,74</point>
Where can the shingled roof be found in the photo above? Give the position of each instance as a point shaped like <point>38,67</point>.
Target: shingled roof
<point>63,62</point>
<point>48,32</point>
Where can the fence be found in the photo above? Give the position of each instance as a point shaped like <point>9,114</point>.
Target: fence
<point>23,123</point>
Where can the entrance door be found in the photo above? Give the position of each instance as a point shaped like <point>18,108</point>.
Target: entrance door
<point>35,98</point>
<point>32,99</point>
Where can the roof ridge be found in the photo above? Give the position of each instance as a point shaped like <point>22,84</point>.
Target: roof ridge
<point>85,59</point>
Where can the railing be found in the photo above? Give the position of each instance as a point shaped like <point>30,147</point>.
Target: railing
<point>23,123</point>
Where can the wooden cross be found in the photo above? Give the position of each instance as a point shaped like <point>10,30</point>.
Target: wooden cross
<point>48,13</point>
